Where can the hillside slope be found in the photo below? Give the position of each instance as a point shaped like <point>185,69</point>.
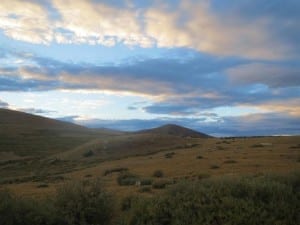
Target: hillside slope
<point>175,130</point>
<point>23,134</point>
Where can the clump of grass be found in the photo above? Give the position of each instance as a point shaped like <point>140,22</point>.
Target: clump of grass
<point>89,153</point>
<point>214,167</point>
<point>295,146</point>
<point>115,170</point>
<point>160,184</point>
<point>230,161</point>
<point>44,185</point>
<point>146,181</point>
<point>199,157</point>
<point>169,155</point>
<point>203,176</point>
<point>128,202</point>
<point>257,146</point>
<point>158,173</point>
<point>126,179</point>
<point>145,189</point>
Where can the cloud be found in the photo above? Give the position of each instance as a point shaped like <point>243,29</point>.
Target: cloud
<point>35,110</point>
<point>25,21</point>
<point>3,104</point>
<point>177,86</point>
<point>252,29</point>
<point>266,73</point>
<point>255,124</point>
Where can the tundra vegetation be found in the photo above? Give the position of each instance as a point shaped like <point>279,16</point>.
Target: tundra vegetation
<point>246,200</point>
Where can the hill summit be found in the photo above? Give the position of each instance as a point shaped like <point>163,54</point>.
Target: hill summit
<point>175,130</point>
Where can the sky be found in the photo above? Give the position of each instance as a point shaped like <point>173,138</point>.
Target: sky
<point>226,68</point>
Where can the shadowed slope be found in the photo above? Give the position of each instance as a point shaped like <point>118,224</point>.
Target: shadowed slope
<point>24,134</point>
<point>175,130</point>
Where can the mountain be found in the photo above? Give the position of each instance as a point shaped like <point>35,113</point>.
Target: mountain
<point>175,130</point>
<point>24,134</point>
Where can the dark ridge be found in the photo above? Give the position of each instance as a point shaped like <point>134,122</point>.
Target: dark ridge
<point>175,130</point>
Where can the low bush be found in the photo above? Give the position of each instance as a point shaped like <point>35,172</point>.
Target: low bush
<point>145,189</point>
<point>214,167</point>
<point>146,181</point>
<point>79,203</point>
<point>75,203</point>
<point>42,185</point>
<point>115,170</point>
<point>20,211</point>
<point>265,200</point>
<point>126,179</point>
<point>169,155</point>
<point>203,176</point>
<point>88,153</point>
<point>160,184</point>
<point>158,173</point>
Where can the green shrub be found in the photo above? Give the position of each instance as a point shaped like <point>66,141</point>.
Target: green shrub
<point>126,179</point>
<point>214,167</point>
<point>169,155</point>
<point>158,173</point>
<point>128,202</point>
<point>145,189</point>
<point>115,170</point>
<point>160,184</point>
<point>88,153</point>
<point>79,203</point>
<point>20,211</point>
<point>42,185</point>
<point>203,176</point>
<point>75,203</point>
<point>146,181</point>
<point>264,200</point>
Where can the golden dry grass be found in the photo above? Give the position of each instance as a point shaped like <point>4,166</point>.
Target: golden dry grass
<point>238,156</point>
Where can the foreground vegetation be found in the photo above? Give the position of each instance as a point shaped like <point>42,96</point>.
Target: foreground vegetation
<point>246,200</point>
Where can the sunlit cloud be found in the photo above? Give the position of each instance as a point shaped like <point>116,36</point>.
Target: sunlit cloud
<point>193,24</point>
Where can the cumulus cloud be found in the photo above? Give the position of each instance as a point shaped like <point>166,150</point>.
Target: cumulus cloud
<point>253,29</point>
<point>25,21</point>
